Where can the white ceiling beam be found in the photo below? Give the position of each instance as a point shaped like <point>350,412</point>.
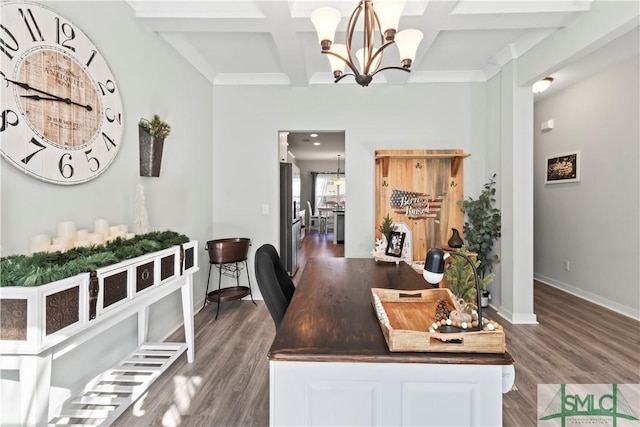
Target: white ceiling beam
<point>286,42</point>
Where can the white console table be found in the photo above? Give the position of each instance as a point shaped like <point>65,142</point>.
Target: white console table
<point>103,299</point>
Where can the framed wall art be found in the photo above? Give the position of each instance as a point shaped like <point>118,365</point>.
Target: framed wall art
<point>562,168</point>
<point>396,242</point>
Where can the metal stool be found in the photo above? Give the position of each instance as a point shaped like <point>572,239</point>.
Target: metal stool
<point>230,257</point>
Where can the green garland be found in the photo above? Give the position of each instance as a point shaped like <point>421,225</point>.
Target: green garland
<point>42,267</point>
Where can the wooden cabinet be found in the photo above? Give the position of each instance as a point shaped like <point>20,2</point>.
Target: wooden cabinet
<point>421,188</point>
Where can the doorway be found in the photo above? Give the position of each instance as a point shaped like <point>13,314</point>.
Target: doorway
<point>320,155</point>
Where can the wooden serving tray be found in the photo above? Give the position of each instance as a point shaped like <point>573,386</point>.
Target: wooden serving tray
<point>407,316</point>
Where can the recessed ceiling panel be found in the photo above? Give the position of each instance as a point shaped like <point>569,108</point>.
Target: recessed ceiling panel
<point>466,50</point>
<point>237,52</point>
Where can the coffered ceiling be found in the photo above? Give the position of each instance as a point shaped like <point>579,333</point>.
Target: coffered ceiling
<point>242,42</point>
<point>274,42</point>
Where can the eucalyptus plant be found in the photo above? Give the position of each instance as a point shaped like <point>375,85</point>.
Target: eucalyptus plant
<point>483,226</point>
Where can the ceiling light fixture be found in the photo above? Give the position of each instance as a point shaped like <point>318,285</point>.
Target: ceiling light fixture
<point>542,85</point>
<point>314,135</point>
<point>383,20</point>
<point>316,143</point>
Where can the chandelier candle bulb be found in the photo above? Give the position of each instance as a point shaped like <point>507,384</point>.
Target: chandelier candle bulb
<point>39,243</point>
<point>326,20</point>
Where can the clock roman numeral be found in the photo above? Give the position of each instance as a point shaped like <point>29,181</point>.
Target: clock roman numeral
<point>30,156</point>
<point>32,25</point>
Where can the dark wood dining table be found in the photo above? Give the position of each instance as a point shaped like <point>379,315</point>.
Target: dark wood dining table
<point>331,317</point>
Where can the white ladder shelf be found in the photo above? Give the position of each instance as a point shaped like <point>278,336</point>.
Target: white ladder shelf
<point>106,397</point>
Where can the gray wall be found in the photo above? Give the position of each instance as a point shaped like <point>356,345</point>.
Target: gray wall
<point>153,79</point>
<point>594,223</point>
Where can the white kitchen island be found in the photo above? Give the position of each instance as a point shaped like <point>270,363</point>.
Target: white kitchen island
<point>330,364</point>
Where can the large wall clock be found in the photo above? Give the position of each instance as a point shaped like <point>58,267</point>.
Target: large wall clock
<point>61,111</point>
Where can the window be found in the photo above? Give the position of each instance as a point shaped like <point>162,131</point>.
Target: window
<point>329,189</point>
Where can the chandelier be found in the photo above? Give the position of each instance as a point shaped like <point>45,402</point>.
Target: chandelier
<point>384,21</point>
<point>338,180</point>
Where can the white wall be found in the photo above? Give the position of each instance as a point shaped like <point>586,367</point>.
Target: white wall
<point>429,116</point>
<point>594,223</point>
<point>153,79</point>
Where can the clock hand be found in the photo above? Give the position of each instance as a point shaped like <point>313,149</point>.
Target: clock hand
<point>56,99</point>
<point>53,97</point>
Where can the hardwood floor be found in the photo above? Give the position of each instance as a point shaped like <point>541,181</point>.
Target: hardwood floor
<point>228,384</point>
<point>317,245</point>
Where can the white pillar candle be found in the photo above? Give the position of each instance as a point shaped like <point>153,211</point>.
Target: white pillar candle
<point>130,235</point>
<point>124,229</point>
<point>101,226</point>
<point>57,248</point>
<point>82,243</point>
<point>39,243</point>
<point>67,229</point>
<point>96,238</point>
<point>82,235</point>
<point>114,230</point>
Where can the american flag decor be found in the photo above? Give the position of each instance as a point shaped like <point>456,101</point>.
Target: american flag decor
<point>415,205</point>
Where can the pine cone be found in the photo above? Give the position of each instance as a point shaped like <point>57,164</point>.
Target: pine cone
<point>442,311</point>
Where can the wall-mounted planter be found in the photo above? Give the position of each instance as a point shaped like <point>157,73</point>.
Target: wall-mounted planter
<point>150,153</point>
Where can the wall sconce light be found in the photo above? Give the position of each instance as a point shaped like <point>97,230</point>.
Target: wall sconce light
<point>542,85</point>
<point>433,273</point>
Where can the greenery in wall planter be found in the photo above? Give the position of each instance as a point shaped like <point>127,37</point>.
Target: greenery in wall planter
<point>156,127</point>
<point>482,228</point>
<point>152,134</point>
<point>42,267</point>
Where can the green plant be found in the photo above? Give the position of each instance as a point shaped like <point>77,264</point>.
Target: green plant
<point>156,127</point>
<point>42,267</point>
<point>483,226</point>
<point>387,227</point>
<point>460,280</point>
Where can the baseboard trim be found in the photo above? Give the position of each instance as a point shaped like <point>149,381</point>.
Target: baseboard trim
<point>591,297</point>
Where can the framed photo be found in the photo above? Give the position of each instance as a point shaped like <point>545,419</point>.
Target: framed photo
<point>395,244</point>
<point>562,168</point>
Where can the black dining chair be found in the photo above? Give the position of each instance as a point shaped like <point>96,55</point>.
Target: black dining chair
<point>273,281</point>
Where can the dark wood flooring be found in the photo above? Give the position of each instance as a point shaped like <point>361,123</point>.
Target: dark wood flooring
<point>228,384</point>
